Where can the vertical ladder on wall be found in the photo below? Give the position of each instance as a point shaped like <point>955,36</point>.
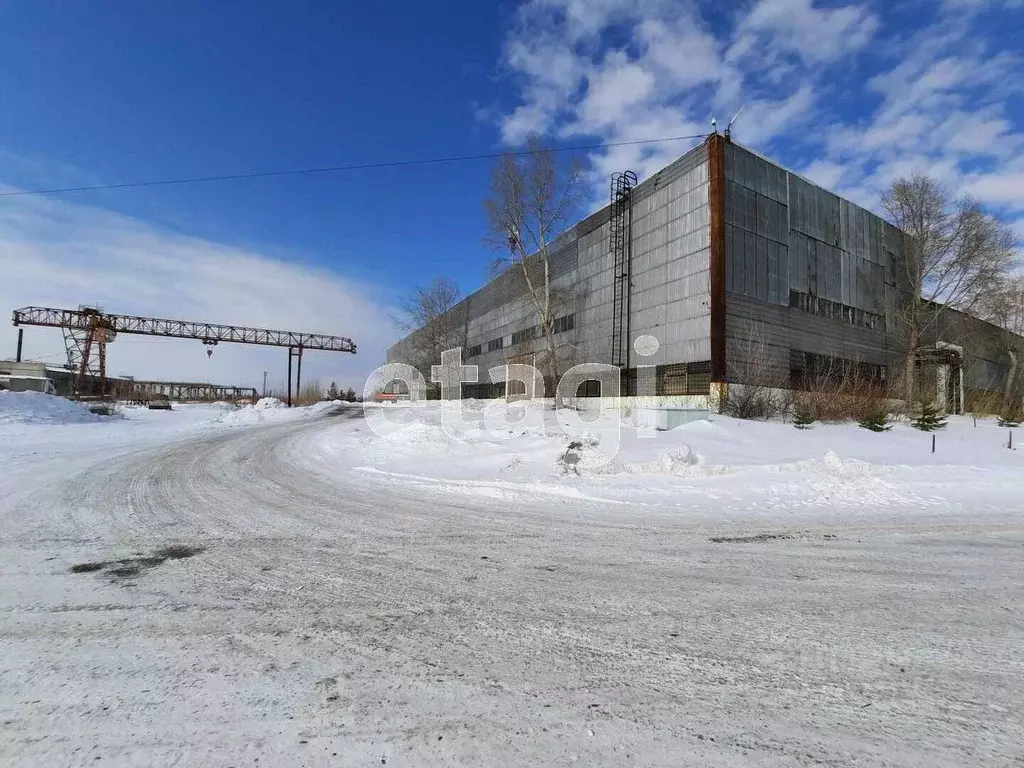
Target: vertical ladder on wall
<point>620,246</point>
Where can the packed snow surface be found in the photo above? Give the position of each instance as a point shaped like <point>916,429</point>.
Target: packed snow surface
<point>416,586</point>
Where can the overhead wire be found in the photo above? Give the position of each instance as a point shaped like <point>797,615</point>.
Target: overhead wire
<point>344,168</point>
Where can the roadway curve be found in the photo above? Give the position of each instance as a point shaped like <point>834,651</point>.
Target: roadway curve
<point>338,618</point>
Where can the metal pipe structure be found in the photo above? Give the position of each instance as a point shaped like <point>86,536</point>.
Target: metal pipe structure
<point>21,334</point>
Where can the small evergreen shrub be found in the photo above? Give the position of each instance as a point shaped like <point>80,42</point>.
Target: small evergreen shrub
<point>803,416</point>
<point>876,421</point>
<point>929,418</point>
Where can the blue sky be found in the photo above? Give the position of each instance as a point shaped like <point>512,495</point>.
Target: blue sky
<point>850,93</point>
<point>125,90</point>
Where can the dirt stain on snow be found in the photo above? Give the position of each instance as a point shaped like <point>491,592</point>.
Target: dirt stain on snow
<point>132,566</point>
<point>88,567</point>
<point>753,539</point>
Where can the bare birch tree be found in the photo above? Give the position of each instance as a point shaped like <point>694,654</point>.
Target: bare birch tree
<point>1003,305</point>
<point>952,254</point>
<point>432,316</point>
<point>531,200</point>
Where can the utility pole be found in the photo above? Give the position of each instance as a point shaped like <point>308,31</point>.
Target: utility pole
<point>264,383</point>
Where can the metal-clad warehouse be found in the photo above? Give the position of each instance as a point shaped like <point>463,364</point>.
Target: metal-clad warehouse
<point>724,253</point>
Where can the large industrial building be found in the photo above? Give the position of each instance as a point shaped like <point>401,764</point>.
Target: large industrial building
<point>741,270</point>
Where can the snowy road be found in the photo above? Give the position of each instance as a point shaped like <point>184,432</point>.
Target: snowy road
<point>339,617</point>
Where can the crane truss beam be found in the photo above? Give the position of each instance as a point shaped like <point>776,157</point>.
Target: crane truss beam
<point>184,390</point>
<point>209,333</point>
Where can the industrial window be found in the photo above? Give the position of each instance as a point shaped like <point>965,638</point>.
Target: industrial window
<point>524,335</point>
<point>473,351</point>
<point>497,343</point>
<point>834,310</point>
<point>684,379</point>
<point>565,323</point>
<point>484,391</point>
<point>627,382</point>
<point>810,371</point>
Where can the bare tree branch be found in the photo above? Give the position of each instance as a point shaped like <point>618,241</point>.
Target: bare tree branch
<point>953,255</point>
<point>435,321</point>
<point>531,199</point>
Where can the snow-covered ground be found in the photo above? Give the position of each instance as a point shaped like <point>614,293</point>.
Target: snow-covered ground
<point>263,586</point>
<point>723,466</point>
<point>70,425</point>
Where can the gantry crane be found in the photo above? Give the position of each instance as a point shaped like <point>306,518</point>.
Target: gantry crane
<point>88,330</point>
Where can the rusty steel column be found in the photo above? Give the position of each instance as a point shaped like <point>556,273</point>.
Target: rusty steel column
<point>83,369</point>
<point>103,370</point>
<point>716,203</point>
<point>21,335</point>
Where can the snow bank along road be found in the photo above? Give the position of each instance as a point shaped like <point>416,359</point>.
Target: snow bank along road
<point>316,614</point>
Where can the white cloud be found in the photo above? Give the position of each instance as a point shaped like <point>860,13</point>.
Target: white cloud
<point>856,103</point>
<point>61,254</point>
<point>668,73</point>
<point>1004,188</point>
<point>764,119</point>
<point>824,173</point>
<point>797,26</point>
<point>945,110</point>
<point>615,88</point>
<point>977,5</point>
<point>680,51</point>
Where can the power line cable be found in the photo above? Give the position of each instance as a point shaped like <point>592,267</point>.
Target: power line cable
<point>343,168</point>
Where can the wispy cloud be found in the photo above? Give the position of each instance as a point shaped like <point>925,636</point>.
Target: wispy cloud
<point>55,253</point>
<point>828,88</point>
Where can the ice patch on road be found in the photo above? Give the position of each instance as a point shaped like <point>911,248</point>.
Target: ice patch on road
<point>37,408</point>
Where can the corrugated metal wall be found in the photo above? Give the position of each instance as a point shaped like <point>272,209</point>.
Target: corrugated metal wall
<point>783,233</point>
<point>787,242</point>
<point>670,280</point>
<point>786,236</point>
<point>670,291</point>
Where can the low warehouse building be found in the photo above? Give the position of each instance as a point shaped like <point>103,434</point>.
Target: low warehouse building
<point>725,268</point>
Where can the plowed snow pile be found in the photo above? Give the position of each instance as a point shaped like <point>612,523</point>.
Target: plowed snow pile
<point>37,408</point>
<point>267,410</point>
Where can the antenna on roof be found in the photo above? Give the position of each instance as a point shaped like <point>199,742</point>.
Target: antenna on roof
<point>728,128</point>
